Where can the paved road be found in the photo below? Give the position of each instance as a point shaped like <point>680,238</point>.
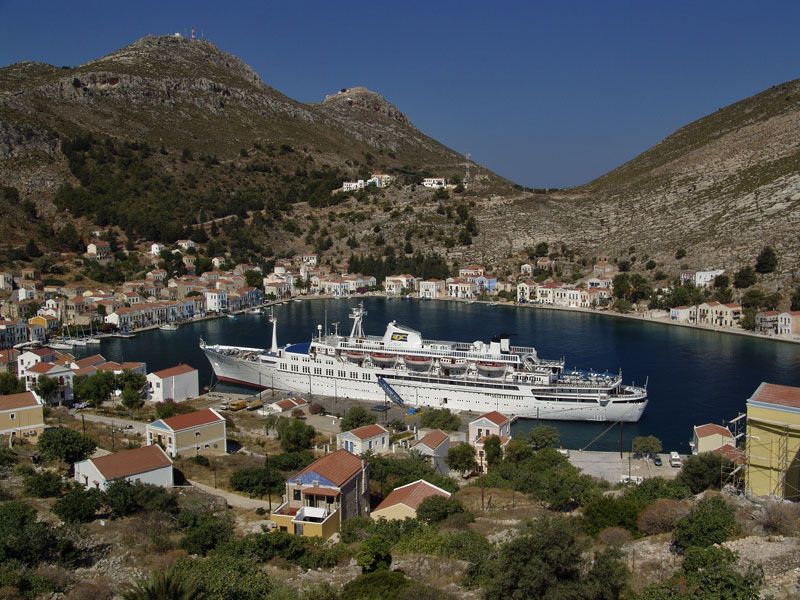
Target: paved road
<point>609,466</point>
<point>138,426</point>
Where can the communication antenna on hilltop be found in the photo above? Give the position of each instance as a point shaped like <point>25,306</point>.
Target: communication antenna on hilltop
<point>466,175</point>
<point>193,36</point>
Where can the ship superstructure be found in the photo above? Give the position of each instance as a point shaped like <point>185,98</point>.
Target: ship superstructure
<point>403,367</point>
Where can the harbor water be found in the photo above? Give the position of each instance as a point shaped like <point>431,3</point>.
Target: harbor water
<point>693,376</point>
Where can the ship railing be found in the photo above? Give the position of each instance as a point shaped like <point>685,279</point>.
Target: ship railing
<point>510,359</point>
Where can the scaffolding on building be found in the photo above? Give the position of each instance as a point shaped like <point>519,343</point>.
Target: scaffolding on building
<point>770,458</point>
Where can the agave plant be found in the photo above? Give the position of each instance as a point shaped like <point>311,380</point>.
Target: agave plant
<point>166,585</point>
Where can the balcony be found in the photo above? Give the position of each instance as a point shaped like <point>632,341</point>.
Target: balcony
<point>308,521</point>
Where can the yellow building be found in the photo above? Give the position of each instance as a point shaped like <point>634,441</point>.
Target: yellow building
<point>21,415</point>
<point>711,437</point>
<point>773,442</point>
<point>190,434</point>
<point>403,502</point>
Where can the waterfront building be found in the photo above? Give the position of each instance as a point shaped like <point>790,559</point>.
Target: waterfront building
<point>711,437</point>
<point>13,332</point>
<point>148,464</point>
<point>177,383</point>
<point>434,445</point>
<point>21,416</point>
<point>432,289</point>
<point>719,315</point>
<point>460,287</point>
<point>200,432</point>
<point>773,442</point>
<point>526,290</point>
<point>767,322</point>
<point>369,438</point>
<point>323,495</point>
<point>789,323</point>
<point>403,502</point>
<point>682,314</point>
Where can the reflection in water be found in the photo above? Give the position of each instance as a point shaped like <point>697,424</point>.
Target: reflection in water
<point>694,376</point>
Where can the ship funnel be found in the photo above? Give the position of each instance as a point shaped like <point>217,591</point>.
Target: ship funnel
<point>274,321</point>
<point>505,343</point>
<point>494,345</point>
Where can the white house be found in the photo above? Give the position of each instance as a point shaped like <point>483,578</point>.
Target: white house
<point>185,244</point>
<point>370,438</point>
<point>460,287</point>
<point>287,405</point>
<point>156,248</point>
<point>6,281</point>
<point>432,288</point>
<point>488,424</point>
<point>434,445</point>
<point>434,182</point>
<point>177,383</point>
<point>216,300</point>
<point>148,464</point>
<point>526,269</point>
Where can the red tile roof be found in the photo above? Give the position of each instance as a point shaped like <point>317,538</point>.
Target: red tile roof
<point>41,368</point>
<point>337,467</point>
<point>193,419</point>
<point>318,491</point>
<point>21,400</point>
<point>782,395</point>
<point>131,462</point>
<point>412,495</point>
<point>731,453</point>
<point>89,361</point>
<point>173,371</point>
<point>433,439</point>
<point>495,417</point>
<point>712,429</point>
<point>368,431</point>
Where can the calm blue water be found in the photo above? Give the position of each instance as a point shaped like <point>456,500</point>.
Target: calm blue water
<point>694,376</point>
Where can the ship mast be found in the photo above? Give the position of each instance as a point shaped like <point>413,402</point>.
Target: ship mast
<point>358,316</point>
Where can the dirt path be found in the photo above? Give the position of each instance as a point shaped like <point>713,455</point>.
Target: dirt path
<point>237,500</point>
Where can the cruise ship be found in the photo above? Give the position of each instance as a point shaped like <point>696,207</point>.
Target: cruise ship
<point>402,367</point>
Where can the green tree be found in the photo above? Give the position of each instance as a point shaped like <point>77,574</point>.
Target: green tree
<point>461,458</point>
<point>704,471</point>
<point>744,278</point>
<point>60,443</point>
<point>25,539</point>
<point>203,532</point>
<point>795,300</point>
<point>9,384</point>
<point>44,484</point>
<point>166,409</point>
<point>711,521</point>
<point>748,320</point>
<point>492,450</point>
<point>227,577</point>
<point>544,436</point>
<point>650,265</point>
<point>131,398</point>
<point>606,511</point>
<point>254,278</point>
<point>435,509</point>
<point>542,249</point>
<point>374,554</point>
<point>258,481</point>
<point>356,417</point>
<point>94,389</point>
<point>680,253</point>
<point>78,505</point>
<point>46,388</point>
<point>518,451</point>
<point>767,260</point>
<point>295,435</point>
<point>439,418</point>
<point>648,445</point>
<point>722,281</point>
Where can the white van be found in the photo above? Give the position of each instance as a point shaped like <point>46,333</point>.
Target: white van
<point>675,459</point>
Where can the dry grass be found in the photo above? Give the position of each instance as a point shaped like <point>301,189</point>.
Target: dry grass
<point>99,432</point>
<point>780,518</point>
<point>223,466</point>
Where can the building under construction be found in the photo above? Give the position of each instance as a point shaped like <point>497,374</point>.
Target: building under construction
<point>773,442</point>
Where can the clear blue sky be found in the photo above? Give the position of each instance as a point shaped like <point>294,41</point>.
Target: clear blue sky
<point>546,93</point>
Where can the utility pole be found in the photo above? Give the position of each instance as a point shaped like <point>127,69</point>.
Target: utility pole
<point>83,422</point>
<point>112,436</point>
<point>620,439</point>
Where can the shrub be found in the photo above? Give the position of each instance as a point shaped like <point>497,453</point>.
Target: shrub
<point>386,585</point>
<point>294,435</point>
<point>201,460</point>
<point>654,488</point>
<point>606,511</point>
<point>704,471</point>
<point>78,505</point>
<point>60,443</point>
<point>203,532</point>
<point>780,518</point>
<point>356,529</point>
<point>316,409</point>
<point>373,554</point>
<point>43,485</point>
<point>544,436</point>
<point>435,509</point>
<point>614,536</point>
<point>439,418</point>
<point>291,461</point>
<point>356,417</point>
<point>711,522</point>
<point>258,481</point>
<point>125,498</point>
<point>661,516</point>
<point>224,576</point>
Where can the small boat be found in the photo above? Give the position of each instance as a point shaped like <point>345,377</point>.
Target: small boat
<point>77,342</point>
<point>418,363</point>
<point>490,369</point>
<point>453,365</point>
<point>297,300</point>
<point>59,345</point>
<point>355,356</point>
<point>230,316</point>
<point>255,311</point>
<point>92,341</point>
<point>383,360</point>
<point>168,327</point>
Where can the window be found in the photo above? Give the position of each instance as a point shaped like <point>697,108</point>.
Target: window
<point>196,434</point>
<point>12,416</point>
<point>296,495</point>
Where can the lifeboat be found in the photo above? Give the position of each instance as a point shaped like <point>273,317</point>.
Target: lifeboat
<point>451,365</point>
<point>490,369</point>
<point>418,363</point>
<point>355,356</point>
<point>383,360</point>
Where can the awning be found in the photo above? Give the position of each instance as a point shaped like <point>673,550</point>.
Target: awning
<point>315,491</point>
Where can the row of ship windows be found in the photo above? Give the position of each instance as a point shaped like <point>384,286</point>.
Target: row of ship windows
<point>328,372</point>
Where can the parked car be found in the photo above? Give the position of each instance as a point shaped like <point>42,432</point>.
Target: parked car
<point>675,460</point>
<point>657,461</point>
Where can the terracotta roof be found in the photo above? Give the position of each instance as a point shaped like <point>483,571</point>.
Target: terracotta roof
<point>89,361</point>
<point>712,429</point>
<point>318,491</point>
<point>131,462</point>
<point>109,366</point>
<point>21,400</point>
<point>495,417</point>
<point>782,395</point>
<point>41,368</point>
<point>289,403</point>
<point>412,495</point>
<point>503,439</point>
<point>433,439</point>
<point>368,431</point>
<point>173,371</point>
<point>769,313</point>
<point>337,467</point>
<point>731,453</point>
<point>193,419</point>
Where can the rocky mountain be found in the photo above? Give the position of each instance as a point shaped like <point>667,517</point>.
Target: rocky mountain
<point>721,187</point>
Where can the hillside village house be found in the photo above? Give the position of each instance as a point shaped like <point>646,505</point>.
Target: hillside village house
<point>789,323</point>
<point>61,373</point>
<point>6,281</point>
<point>701,279</point>
<point>526,269</point>
<point>287,405</point>
<point>434,182</point>
<point>21,416</point>
<point>8,361</point>
<point>148,464</point>
<point>185,244</point>
<point>434,445</point>
<point>99,251</point>
<point>403,502</point>
<point>200,432</point>
<point>488,424</point>
<point>323,495</point>
<point>470,272</point>
<point>156,248</point>
<point>177,383</point>
<point>603,267</point>
<point>370,438</point>
<point>432,289</point>
<point>773,442</point>
<point>13,332</point>
<point>711,437</point>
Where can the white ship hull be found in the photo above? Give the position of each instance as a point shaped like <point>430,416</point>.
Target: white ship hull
<point>285,371</point>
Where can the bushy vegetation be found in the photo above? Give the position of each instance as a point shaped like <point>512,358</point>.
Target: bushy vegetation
<point>389,472</point>
<point>711,521</point>
<point>708,470</point>
<point>422,265</point>
<point>67,445</point>
<point>357,416</point>
<point>439,418</point>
